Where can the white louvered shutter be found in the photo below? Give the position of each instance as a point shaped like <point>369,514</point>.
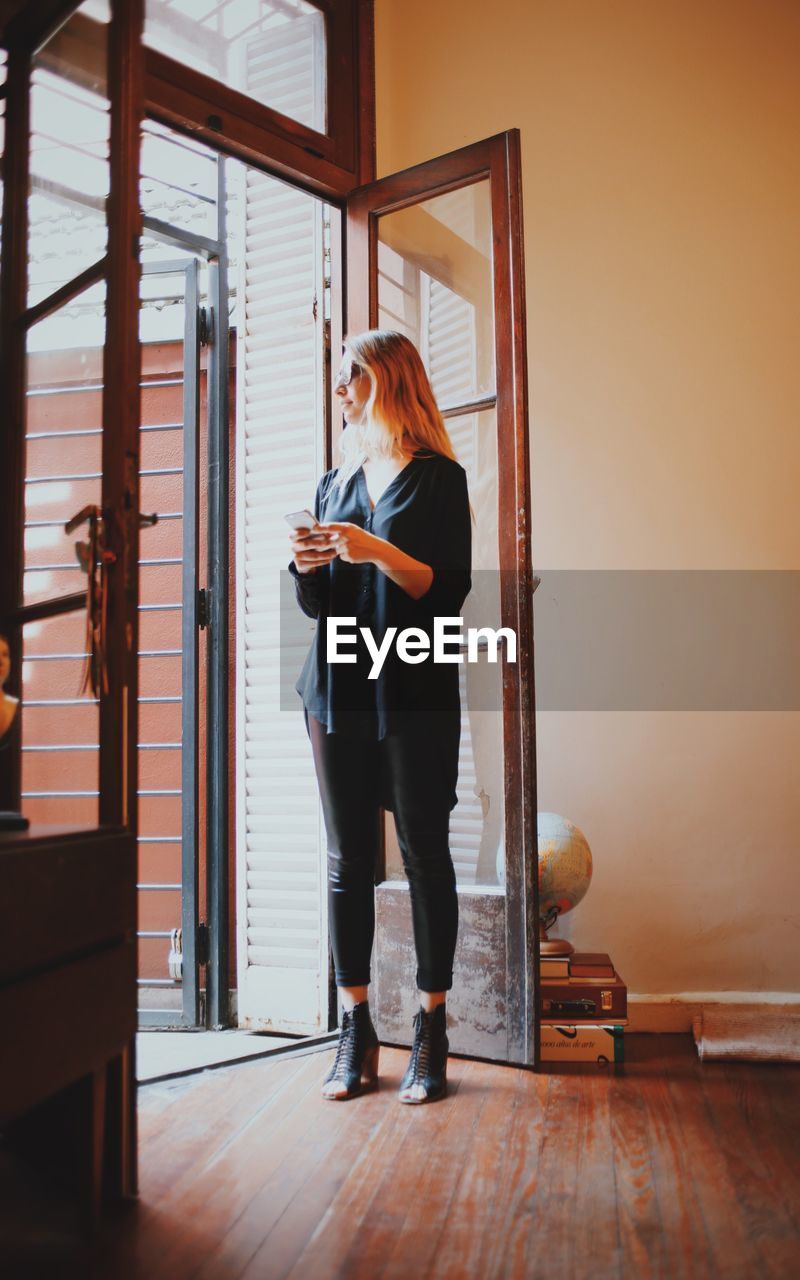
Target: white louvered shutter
<point>282,958</point>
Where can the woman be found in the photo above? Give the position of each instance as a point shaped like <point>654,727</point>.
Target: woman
<point>393,550</point>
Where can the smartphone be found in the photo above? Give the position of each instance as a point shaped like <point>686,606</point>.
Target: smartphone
<point>304,519</point>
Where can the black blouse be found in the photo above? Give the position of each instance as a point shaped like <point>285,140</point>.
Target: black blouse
<point>424,511</point>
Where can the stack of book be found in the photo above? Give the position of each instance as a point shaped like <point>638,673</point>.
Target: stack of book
<point>583,1008</point>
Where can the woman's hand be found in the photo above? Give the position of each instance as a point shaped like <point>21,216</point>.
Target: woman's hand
<point>309,550</point>
<point>355,544</point>
<point>360,547</point>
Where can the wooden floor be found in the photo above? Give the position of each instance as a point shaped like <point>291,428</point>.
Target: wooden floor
<point>667,1169</point>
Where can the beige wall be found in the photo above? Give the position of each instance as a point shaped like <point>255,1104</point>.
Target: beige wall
<point>661,179</point>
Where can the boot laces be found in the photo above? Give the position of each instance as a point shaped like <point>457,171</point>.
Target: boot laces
<point>347,1050</point>
<point>421,1049</point>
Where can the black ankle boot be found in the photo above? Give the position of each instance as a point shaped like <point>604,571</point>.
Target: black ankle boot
<point>426,1077</point>
<point>355,1067</point>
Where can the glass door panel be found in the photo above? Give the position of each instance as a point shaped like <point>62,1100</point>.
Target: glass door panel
<point>69,159</point>
<point>435,285</point>
<point>60,725</point>
<point>63,440</point>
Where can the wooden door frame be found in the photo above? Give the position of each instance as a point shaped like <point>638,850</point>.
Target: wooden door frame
<point>497,159</point>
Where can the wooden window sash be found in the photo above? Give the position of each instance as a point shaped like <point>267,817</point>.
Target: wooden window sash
<point>336,145</point>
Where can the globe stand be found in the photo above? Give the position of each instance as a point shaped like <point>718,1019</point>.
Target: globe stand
<point>555,946</point>
<point>552,946</point>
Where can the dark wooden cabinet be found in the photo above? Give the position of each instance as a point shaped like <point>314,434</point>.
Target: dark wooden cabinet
<point>68,997</point>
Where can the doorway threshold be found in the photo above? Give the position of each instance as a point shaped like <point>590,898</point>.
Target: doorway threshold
<point>162,1055</point>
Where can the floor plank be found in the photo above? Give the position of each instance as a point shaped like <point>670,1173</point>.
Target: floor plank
<point>641,1231</point>
<point>505,1243</point>
<point>688,1251</point>
<point>576,1170</point>
<point>596,1231</point>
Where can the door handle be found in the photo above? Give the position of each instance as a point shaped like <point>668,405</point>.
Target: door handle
<point>95,559</point>
<point>80,517</point>
<point>93,549</point>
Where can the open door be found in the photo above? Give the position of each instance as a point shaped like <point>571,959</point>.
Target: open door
<point>436,252</point>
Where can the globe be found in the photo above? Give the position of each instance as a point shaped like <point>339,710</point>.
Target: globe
<point>565,871</point>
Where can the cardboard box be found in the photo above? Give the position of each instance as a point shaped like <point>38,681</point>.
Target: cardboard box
<point>569,1042</point>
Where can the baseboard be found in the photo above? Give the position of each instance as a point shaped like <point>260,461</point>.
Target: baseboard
<point>675,1012</point>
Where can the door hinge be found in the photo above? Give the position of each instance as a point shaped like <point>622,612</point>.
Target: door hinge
<point>202,608</point>
<point>201,945</point>
<point>205,326</point>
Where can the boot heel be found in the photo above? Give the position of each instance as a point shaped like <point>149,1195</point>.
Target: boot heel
<point>369,1069</point>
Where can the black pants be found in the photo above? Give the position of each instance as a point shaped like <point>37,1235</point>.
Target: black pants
<point>406,773</point>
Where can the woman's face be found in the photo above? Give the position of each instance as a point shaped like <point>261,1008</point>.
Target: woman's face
<point>5,661</point>
<point>352,387</point>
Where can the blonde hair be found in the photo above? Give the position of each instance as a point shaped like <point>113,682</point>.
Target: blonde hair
<point>401,408</point>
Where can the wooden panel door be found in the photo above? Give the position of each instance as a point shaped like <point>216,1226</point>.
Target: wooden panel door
<point>436,252</point>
